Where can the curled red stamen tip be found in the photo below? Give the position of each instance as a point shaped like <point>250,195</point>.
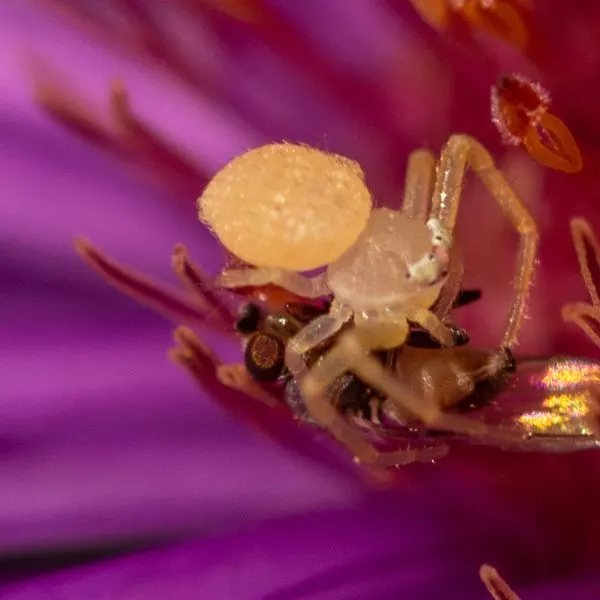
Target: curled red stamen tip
<point>517,104</point>
<point>519,108</point>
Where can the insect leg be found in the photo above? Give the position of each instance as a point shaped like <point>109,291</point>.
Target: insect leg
<point>466,297</point>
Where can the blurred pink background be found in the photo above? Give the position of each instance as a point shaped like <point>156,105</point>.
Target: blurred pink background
<point>101,439</point>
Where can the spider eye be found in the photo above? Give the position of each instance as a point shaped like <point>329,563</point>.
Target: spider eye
<point>438,238</point>
<point>431,257</point>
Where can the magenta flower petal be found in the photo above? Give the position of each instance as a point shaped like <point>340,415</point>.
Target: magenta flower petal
<point>330,555</point>
<point>102,441</point>
<point>101,438</point>
<point>143,455</point>
<point>386,550</point>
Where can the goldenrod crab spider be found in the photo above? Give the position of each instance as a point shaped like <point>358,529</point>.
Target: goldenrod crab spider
<point>287,209</point>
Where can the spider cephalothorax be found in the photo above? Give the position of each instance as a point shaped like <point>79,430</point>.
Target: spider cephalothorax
<point>287,208</point>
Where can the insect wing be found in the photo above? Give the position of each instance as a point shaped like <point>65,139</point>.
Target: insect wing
<point>550,404</point>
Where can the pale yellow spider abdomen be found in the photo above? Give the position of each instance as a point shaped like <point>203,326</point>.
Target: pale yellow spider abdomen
<point>287,206</point>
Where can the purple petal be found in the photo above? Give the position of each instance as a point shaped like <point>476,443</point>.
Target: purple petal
<point>379,552</point>
<point>107,440</point>
<point>101,439</point>
<point>387,550</point>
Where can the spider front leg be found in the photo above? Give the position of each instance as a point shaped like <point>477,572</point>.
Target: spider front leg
<point>418,184</point>
<point>307,287</point>
<point>462,151</point>
<point>351,353</point>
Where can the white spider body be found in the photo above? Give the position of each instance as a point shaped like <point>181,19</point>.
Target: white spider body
<point>385,268</point>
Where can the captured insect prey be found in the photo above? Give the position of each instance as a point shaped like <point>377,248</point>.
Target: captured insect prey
<point>520,112</point>
<point>548,405</point>
<point>385,271</point>
<point>267,334</point>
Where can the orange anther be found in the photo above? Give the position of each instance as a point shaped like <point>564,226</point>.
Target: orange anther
<point>517,105</point>
<point>504,19</point>
<point>551,143</point>
<point>520,112</point>
<point>523,93</point>
<point>436,13</point>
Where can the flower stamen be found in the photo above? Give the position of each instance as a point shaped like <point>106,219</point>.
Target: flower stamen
<point>199,284</point>
<point>125,135</point>
<point>151,151</point>
<point>503,19</point>
<point>586,315</point>
<point>519,109</point>
<point>496,586</point>
<point>231,387</point>
<point>158,297</point>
